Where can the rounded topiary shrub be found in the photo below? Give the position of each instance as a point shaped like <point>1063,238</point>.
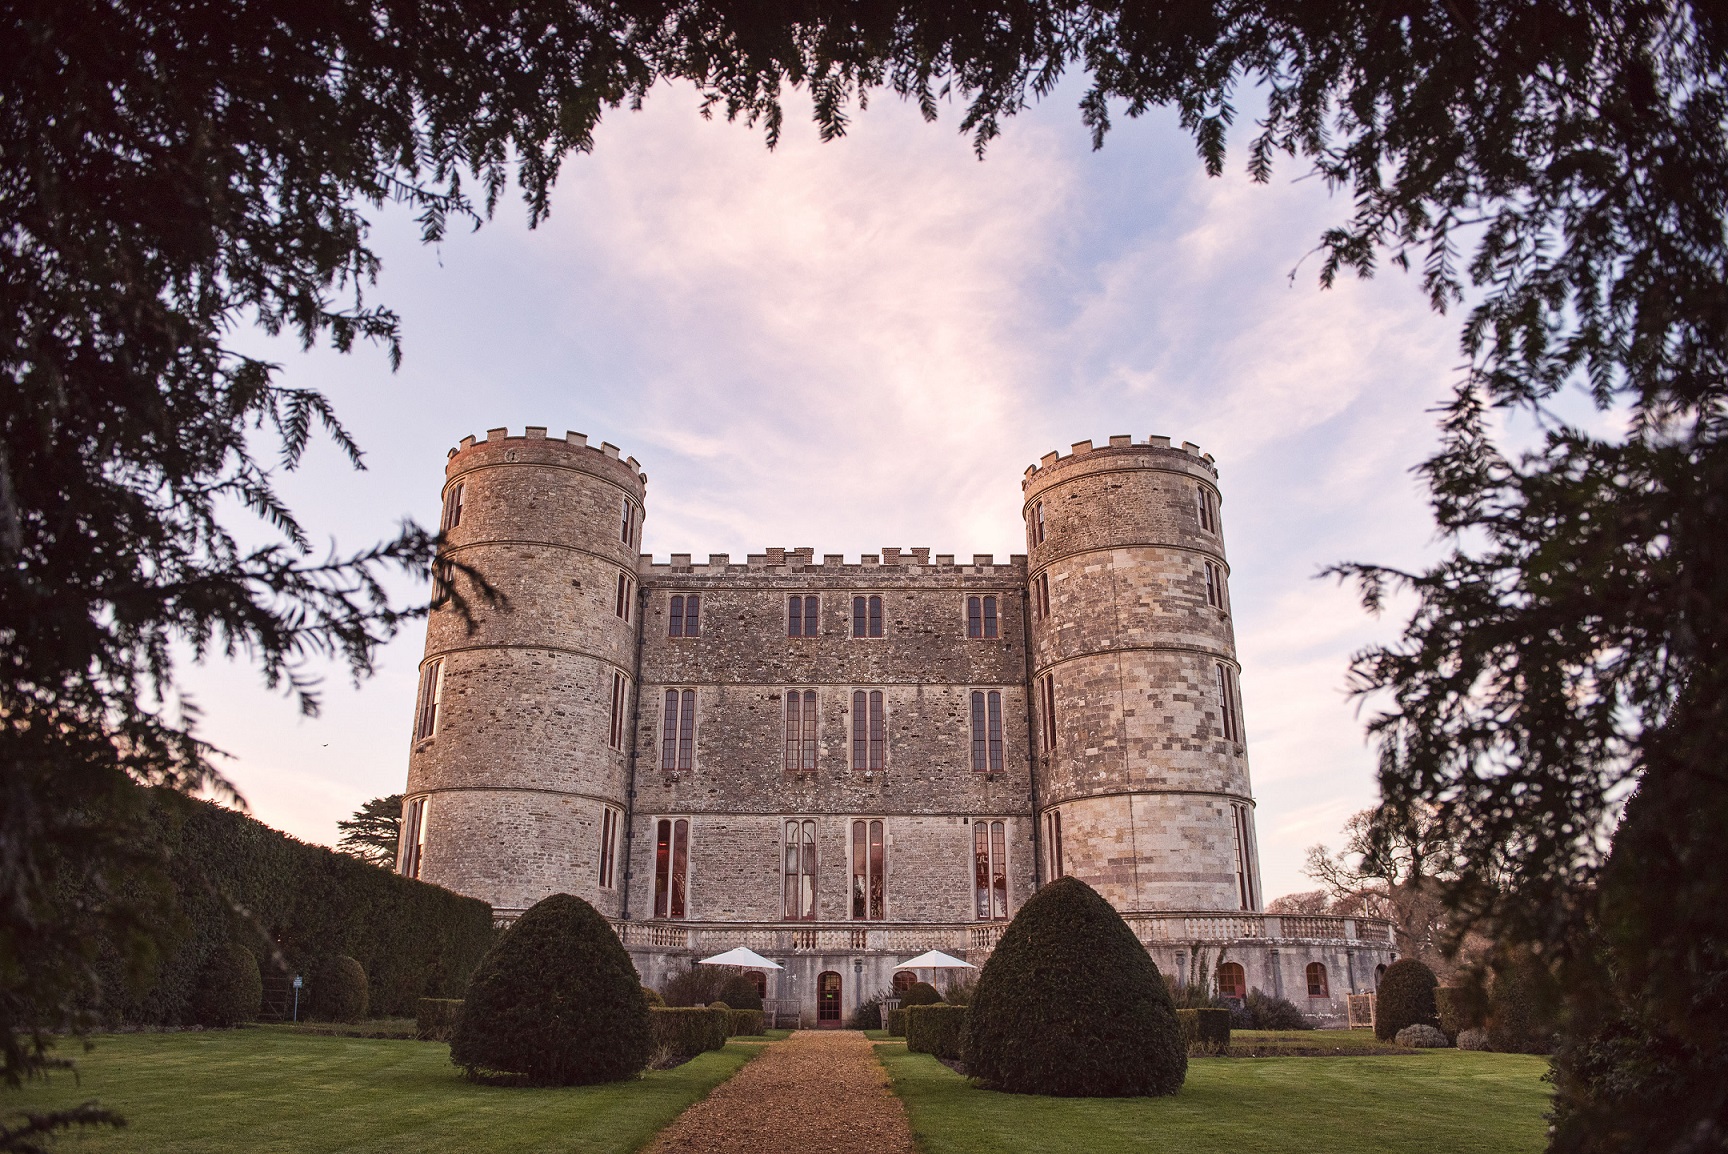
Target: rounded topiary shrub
<point>555,1002</point>
<point>1405,998</point>
<point>1071,1004</point>
<point>1421,1037</point>
<point>653,996</point>
<point>739,992</point>
<point>338,991</point>
<point>230,988</point>
<point>920,994</point>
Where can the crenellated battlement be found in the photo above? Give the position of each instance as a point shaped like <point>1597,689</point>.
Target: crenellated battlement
<point>1118,442</point>
<point>804,560</point>
<point>537,435</point>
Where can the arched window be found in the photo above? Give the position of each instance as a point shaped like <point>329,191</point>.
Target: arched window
<point>1232,982</point>
<point>1379,972</point>
<point>904,980</point>
<point>1317,981</point>
<point>760,981</point>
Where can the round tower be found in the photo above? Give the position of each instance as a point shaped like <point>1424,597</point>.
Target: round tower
<point>1143,786</point>
<point>517,779</point>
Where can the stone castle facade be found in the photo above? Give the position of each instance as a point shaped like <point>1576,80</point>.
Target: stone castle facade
<point>842,765</point>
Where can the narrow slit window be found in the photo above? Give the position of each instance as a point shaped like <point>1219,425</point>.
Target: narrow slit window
<point>609,819</point>
<point>990,870</point>
<point>1247,885</point>
<point>683,617</point>
<point>1230,714</point>
<point>1053,844</point>
<point>799,871</point>
<point>431,697</point>
<point>1214,586</point>
<point>413,837</point>
<point>671,867</point>
<point>869,886</point>
<point>678,730</point>
<point>800,730</point>
<point>1038,523</point>
<point>621,606</point>
<point>620,695</point>
<point>987,731</point>
<point>1044,596</point>
<point>1047,709</point>
<point>867,616</point>
<point>1207,508</point>
<point>627,523</point>
<point>452,508</point>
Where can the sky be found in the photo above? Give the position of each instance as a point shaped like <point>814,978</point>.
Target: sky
<point>864,343</point>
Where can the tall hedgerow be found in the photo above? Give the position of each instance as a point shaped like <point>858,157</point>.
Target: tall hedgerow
<point>1071,1004</point>
<point>555,1002</point>
<point>1405,998</point>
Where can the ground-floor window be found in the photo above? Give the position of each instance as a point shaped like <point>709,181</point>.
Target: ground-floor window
<point>1232,981</point>
<point>990,870</point>
<point>671,867</point>
<point>1317,981</point>
<point>904,980</point>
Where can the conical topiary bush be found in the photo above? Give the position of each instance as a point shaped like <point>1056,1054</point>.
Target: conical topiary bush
<point>1071,1004</point>
<point>556,1002</point>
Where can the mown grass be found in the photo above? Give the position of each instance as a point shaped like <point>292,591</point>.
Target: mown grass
<point>1335,1043</point>
<point>1432,1102</point>
<point>275,1091</point>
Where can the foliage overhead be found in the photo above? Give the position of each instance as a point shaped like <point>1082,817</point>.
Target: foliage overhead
<point>1071,1004</point>
<point>373,832</point>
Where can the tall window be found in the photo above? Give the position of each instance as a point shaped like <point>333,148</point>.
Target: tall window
<point>1247,885</point>
<point>1317,985</point>
<point>685,618</point>
<point>1053,845</point>
<point>629,522</point>
<point>678,730</point>
<point>1041,595</point>
<point>1206,508</point>
<point>1232,981</point>
<point>869,730</point>
<point>800,729</point>
<point>1038,523</point>
<point>869,884</point>
<point>431,697</point>
<point>671,867</point>
<point>867,616</point>
<point>802,615</point>
<point>981,617</point>
<point>987,731</point>
<point>452,508</point>
<point>1047,709</point>
<point>1230,713</point>
<point>621,606</point>
<point>799,871</point>
<point>990,870</point>
<point>609,819</point>
<point>413,837</point>
<point>620,695</point>
<point>1214,586</point>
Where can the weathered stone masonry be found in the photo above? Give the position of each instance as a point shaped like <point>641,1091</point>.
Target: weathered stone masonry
<point>1108,617</point>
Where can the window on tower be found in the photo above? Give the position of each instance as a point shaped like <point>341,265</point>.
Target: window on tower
<point>987,730</point>
<point>1215,586</point>
<point>620,695</point>
<point>1207,508</point>
<point>630,523</point>
<point>981,616</point>
<point>1229,704</point>
<point>685,615</point>
<point>1047,710</point>
<point>413,837</point>
<point>452,508</point>
<point>678,730</point>
<point>426,718</point>
<point>1242,831</point>
<point>1038,523</point>
<point>1041,595</point>
<point>621,603</point>
<point>609,820</point>
<point>1053,846</point>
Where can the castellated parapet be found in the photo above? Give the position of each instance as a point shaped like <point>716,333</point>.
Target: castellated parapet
<point>841,763</point>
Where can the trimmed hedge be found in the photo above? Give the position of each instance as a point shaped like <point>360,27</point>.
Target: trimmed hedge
<point>1522,1007</point>
<point>919,994</point>
<point>685,1031</point>
<point>653,996</point>
<point>739,992</point>
<point>936,1029</point>
<point>230,988</point>
<point>435,1018</point>
<point>1205,1031</point>
<point>746,1023</point>
<point>1460,1008</point>
<point>897,1022</point>
<point>556,1001</point>
<point>1071,1004</point>
<point>301,902</point>
<point>338,991</point>
<point>1405,998</point>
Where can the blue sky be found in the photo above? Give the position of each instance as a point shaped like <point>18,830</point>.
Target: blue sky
<point>864,343</point>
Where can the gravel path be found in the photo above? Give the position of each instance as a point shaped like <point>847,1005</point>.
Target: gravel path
<point>817,1092</point>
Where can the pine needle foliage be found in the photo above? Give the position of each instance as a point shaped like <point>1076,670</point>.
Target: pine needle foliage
<point>1070,1004</point>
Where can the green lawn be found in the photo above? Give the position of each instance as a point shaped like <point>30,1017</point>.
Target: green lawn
<point>269,1090</point>
<point>1433,1102</point>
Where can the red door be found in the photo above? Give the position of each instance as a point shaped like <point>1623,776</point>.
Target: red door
<point>828,1000</point>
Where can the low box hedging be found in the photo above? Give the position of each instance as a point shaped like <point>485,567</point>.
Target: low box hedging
<point>435,1018</point>
<point>746,1023</point>
<point>936,1029</point>
<point>897,1023</point>
<point>686,1031</point>
<point>1205,1031</point>
<point>412,939</point>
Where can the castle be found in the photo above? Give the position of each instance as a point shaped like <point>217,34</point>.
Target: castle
<point>842,765</point>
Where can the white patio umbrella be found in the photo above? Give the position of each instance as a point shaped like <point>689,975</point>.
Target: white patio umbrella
<point>745,957</point>
<point>935,960</point>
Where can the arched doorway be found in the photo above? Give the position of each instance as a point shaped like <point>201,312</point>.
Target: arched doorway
<point>828,999</point>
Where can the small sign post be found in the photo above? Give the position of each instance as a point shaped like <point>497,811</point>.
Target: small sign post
<point>296,997</point>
